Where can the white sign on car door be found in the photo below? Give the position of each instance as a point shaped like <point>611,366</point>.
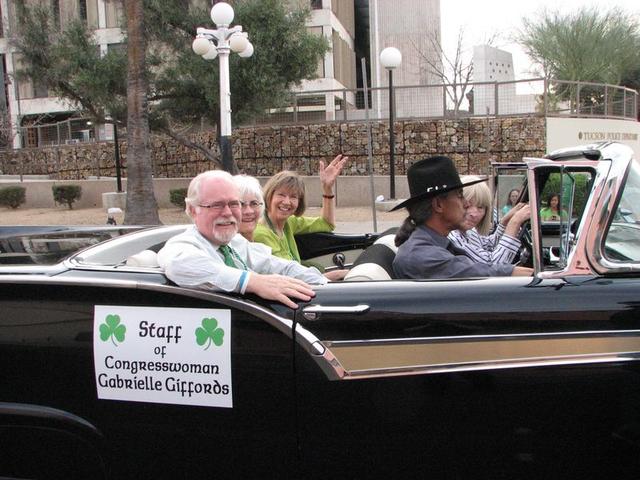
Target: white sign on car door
<point>163,355</point>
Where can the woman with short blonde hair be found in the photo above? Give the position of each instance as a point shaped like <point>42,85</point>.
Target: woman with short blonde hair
<point>252,204</point>
<point>502,245</point>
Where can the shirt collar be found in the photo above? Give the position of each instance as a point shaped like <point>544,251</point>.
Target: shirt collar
<point>438,239</point>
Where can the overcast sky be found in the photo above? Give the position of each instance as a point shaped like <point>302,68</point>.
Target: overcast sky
<point>481,19</point>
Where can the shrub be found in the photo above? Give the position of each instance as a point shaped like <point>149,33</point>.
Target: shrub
<point>66,194</point>
<point>12,196</point>
<point>177,196</point>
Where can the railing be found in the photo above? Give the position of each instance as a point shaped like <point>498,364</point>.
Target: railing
<point>481,99</point>
<point>68,132</point>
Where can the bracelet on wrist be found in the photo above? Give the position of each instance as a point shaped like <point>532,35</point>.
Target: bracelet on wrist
<point>328,196</point>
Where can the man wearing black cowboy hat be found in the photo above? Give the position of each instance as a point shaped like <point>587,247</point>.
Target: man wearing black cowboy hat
<point>436,207</point>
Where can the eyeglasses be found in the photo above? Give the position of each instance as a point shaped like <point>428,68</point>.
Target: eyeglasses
<point>252,204</point>
<point>219,206</point>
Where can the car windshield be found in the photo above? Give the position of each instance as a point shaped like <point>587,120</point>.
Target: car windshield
<point>622,242</point>
<point>115,252</point>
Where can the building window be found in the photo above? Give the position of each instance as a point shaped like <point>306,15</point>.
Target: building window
<point>40,90</point>
<point>55,11</point>
<point>316,4</point>
<point>120,48</point>
<point>82,10</point>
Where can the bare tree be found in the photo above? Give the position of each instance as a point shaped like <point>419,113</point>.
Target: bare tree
<point>454,71</point>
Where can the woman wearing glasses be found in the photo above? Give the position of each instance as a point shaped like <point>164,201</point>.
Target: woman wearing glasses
<point>252,204</point>
<point>283,218</point>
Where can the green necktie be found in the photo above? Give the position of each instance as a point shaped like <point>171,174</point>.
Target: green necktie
<point>228,256</point>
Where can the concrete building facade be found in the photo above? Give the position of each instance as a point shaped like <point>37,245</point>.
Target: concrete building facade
<point>492,65</point>
<point>413,27</point>
<point>25,101</point>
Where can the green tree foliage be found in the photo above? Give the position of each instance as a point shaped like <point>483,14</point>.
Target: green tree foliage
<point>66,194</point>
<point>68,62</point>
<point>12,197</point>
<point>182,87</point>
<point>586,45</point>
<point>177,196</point>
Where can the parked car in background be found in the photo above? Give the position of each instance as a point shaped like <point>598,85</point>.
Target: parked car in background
<point>109,370</point>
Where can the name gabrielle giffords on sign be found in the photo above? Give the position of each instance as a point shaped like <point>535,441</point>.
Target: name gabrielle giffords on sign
<point>170,384</point>
<point>186,388</point>
<point>163,355</point>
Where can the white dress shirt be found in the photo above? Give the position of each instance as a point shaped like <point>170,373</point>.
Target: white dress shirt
<point>190,260</point>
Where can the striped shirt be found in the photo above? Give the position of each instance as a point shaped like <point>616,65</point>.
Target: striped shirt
<point>490,249</point>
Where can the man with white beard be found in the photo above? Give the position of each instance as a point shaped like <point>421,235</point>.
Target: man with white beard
<point>212,255</point>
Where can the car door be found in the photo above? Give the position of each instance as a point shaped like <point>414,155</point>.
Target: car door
<point>151,427</point>
<point>492,378</point>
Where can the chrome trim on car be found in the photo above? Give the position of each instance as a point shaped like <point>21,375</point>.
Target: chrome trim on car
<point>312,312</point>
<point>349,360</point>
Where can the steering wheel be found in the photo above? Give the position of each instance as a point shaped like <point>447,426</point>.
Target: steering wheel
<point>525,256</point>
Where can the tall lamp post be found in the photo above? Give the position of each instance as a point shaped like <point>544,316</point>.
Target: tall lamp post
<point>116,152</point>
<point>116,145</point>
<point>219,43</point>
<point>391,58</point>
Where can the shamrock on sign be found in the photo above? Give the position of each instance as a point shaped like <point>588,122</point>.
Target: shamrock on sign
<point>209,332</point>
<point>111,328</point>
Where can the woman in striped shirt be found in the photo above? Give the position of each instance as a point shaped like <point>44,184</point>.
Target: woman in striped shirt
<point>502,245</point>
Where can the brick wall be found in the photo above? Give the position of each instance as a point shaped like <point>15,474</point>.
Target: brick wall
<point>471,143</point>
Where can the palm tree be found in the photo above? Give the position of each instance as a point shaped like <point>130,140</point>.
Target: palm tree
<point>142,208</point>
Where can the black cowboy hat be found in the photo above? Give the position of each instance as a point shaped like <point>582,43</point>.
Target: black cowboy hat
<point>430,177</point>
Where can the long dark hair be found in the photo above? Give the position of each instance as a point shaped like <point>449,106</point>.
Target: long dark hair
<point>418,214</point>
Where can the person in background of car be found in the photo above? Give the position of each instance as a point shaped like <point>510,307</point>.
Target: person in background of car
<point>550,212</point>
<point>512,200</point>
<point>211,254</point>
<point>285,203</point>
<point>252,204</point>
<point>502,245</point>
<point>437,206</point>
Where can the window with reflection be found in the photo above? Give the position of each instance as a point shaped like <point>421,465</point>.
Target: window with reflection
<point>563,194</point>
<point>622,242</point>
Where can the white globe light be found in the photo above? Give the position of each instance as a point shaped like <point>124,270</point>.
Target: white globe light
<point>211,54</point>
<point>390,57</point>
<point>238,42</point>
<point>247,52</point>
<point>222,13</point>
<point>200,45</point>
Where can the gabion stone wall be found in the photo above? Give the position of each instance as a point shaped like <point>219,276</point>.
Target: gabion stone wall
<point>472,143</point>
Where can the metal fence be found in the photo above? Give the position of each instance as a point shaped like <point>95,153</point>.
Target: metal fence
<point>68,132</point>
<point>520,97</point>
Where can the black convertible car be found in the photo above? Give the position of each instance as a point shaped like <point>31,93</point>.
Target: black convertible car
<point>109,370</point>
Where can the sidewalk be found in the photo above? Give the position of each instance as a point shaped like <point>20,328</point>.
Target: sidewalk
<point>349,219</point>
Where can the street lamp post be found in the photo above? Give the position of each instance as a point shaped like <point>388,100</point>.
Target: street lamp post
<point>116,152</point>
<point>219,43</point>
<point>116,145</point>
<point>391,58</point>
